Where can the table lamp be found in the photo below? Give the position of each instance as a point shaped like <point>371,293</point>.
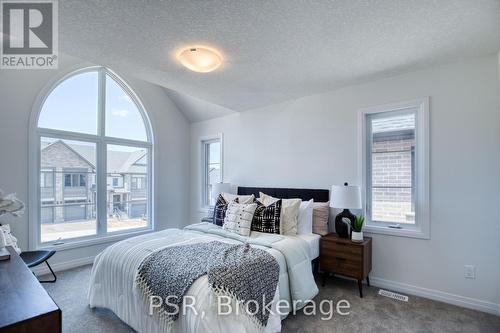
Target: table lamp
<point>345,197</point>
<point>219,188</point>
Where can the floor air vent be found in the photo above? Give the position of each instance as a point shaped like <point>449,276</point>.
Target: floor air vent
<point>391,294</point>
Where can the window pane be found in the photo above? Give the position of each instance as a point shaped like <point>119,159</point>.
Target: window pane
<point>123,119</point>
<point>72,105</point>
<point>127,205</point>
<point>67,180</point>
<point>393,165</point>
<point>212,169</point>
<point>67,209</point>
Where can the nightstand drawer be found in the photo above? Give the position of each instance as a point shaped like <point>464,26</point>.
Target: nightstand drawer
<point>341,265</point>
<point>341,249</point>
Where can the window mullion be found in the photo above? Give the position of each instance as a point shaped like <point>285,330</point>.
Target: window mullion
<point>369,180</point>
<point>101,157</point>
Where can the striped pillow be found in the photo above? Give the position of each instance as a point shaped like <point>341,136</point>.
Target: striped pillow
<point>267,218</point>
<point>239,218</point>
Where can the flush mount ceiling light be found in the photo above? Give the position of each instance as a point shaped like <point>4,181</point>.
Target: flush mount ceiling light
<point>200,59</point>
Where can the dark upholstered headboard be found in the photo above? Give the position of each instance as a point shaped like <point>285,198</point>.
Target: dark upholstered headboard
<point>319,195</point>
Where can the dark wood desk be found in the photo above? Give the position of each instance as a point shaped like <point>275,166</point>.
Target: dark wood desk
<point>25,305</point>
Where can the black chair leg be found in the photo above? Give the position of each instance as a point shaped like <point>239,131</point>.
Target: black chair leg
<point>53,274</point>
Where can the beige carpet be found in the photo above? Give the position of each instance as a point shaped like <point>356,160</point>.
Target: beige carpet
<point>372,313</point>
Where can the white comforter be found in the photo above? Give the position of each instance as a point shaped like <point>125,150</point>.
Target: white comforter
<point>112,283</point>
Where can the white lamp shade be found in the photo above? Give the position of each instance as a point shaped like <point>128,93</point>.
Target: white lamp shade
<point>345,197</point>
<point>219,188</point>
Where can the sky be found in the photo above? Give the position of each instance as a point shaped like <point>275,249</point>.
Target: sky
<point>72,106</point>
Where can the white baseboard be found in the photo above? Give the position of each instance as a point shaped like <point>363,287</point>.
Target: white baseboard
<point>62,266</point>
<point>466,302</point>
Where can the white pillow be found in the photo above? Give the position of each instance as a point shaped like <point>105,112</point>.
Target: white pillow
<point>242,199</point>
<point>289,213</point>
<point>239,218</point>
<point>305,224</point>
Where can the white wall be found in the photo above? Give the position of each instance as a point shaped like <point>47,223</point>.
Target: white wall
<point>311,142</point>
<point>18,91</point>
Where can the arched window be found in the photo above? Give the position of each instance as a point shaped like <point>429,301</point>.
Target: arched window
<point>94,160</point>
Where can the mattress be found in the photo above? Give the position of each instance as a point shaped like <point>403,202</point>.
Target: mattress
<point>313,244</point>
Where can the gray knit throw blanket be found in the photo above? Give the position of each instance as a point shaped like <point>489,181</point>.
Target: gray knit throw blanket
<point>238,271</point>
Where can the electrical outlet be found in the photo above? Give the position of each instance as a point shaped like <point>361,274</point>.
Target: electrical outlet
<point>470,271</point>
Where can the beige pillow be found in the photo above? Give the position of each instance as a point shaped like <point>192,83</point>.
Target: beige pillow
<point>242,199</point>
<point>289,213</point>
<point>321,212</point>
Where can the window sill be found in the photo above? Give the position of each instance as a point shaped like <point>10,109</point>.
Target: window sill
<point>383,230</point>
<point>73,244</point>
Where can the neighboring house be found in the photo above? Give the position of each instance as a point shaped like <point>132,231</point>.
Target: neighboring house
<point>214,177</point>
<point>68,178</point>
<point>393,169</point>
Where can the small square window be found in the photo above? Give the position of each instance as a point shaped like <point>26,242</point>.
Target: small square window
<point>83,180</point>
<point>67,180</point>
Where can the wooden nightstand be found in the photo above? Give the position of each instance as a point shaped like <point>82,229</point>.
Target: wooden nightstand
<point>344,257</point>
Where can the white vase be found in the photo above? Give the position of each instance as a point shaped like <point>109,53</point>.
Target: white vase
<point>357,236</point>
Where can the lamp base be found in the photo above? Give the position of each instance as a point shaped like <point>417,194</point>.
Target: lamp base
<point>342,228</point>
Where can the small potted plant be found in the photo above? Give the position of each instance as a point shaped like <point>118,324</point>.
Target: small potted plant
<point>357,229</point>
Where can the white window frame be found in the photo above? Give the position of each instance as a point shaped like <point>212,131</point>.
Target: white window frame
<point>204,141</point>
<point>421,228</point>
<point>101,141</point>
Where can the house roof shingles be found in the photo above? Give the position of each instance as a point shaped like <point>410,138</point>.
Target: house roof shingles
<point>117,161</point>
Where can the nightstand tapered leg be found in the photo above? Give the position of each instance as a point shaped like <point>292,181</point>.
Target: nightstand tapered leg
<point>325,276</point>
<point>368,281</point>
<point>360,287</point>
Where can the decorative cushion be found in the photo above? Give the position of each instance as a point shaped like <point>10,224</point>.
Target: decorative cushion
<point>267,218</point>
<point>220,210</point>
<point>244,199</point>
<point>305,224</point>
<point>289,214</point>
<point>321,212</point>
<point>239,218</point>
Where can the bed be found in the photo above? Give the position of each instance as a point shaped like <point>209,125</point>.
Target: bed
<point>112,284</point>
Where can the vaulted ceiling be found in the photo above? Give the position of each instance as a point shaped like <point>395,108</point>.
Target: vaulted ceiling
<point>274,50</point>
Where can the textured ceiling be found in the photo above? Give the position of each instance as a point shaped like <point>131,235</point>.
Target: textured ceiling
<point>274,50</point>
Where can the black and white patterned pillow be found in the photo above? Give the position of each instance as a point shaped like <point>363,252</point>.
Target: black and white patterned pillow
<point>220,210</point>
<point>239,218</point>
<point>267,218</point>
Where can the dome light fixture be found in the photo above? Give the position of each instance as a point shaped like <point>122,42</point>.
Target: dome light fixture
<point>201,59</point>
